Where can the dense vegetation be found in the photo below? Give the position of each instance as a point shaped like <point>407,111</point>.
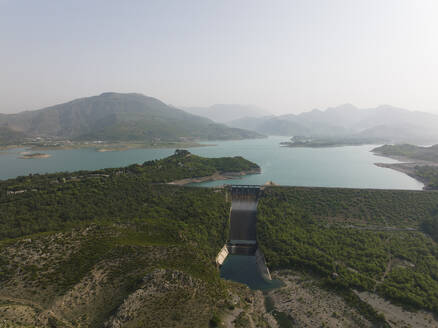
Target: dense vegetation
<point>430,225</point>
<point>396,208</point>
<point>40,203</point>
<point>428,174</point>
<point>409,151</point>
<point>354,239</point>
<point>118,117</point>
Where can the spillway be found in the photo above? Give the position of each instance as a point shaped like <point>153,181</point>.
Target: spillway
<point>241,260</point>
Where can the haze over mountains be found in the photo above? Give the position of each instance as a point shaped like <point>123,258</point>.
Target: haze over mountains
<point>116,117</point>
<point>383,123</point>
<point>224,113</point>
<point>135,117</point>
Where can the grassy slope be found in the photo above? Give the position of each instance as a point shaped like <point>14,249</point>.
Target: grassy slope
<point>343,231</point>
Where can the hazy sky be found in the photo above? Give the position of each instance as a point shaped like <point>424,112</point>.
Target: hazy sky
<point>285,56</point>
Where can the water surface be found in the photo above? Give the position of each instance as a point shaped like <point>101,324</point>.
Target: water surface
<point>351,166</point>
<point>243,269</point>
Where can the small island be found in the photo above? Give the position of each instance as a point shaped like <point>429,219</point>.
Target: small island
<point>34,155</point>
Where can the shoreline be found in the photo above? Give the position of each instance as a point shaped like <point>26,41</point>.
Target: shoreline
<point>105,147</point>
<point>124,147</point>
<point>407,166</point>
<point>215,177</point>
<point>404,159</point>
<point>292,145</point>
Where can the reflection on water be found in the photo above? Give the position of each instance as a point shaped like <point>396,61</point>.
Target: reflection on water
<point>243,269</point>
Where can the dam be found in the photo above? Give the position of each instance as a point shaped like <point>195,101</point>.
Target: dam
<point>240,259</point>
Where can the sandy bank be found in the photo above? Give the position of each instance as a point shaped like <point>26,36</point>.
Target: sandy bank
<point>36,155</point>
<point>408,169</point>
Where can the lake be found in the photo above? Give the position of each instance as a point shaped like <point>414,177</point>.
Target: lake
<point>350,167</point>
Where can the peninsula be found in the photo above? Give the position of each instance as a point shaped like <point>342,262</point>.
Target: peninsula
<point>420,163</point>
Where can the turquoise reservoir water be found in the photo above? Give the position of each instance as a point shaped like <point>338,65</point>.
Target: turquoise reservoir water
<point>327,167</point>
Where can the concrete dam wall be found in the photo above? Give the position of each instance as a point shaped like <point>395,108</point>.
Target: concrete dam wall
<point>243,232</point>
<point>243,219</point>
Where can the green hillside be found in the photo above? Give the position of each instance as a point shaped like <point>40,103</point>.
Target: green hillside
<point>70,198</point>
<point>411,152</point>
<point>119,117</point>
<point>365,240</point>
<point>115,248</point>
<point>121,248</point>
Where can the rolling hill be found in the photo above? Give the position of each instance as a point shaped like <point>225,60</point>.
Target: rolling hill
<point>116,117</point>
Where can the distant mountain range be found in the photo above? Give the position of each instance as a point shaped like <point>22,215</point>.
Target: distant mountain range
<point>227,112</point>
<point>115,117</point>
<point>384,124</point>
<point>135,117</point>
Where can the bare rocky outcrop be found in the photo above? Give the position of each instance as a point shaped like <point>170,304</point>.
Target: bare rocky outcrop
<point>157,287</point>
<point>306,304</point>
<point>159,281</point>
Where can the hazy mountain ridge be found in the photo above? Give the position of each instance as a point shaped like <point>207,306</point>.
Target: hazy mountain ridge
<point>224,113</point>
<point>116,116</point>
<point>384,122</point>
